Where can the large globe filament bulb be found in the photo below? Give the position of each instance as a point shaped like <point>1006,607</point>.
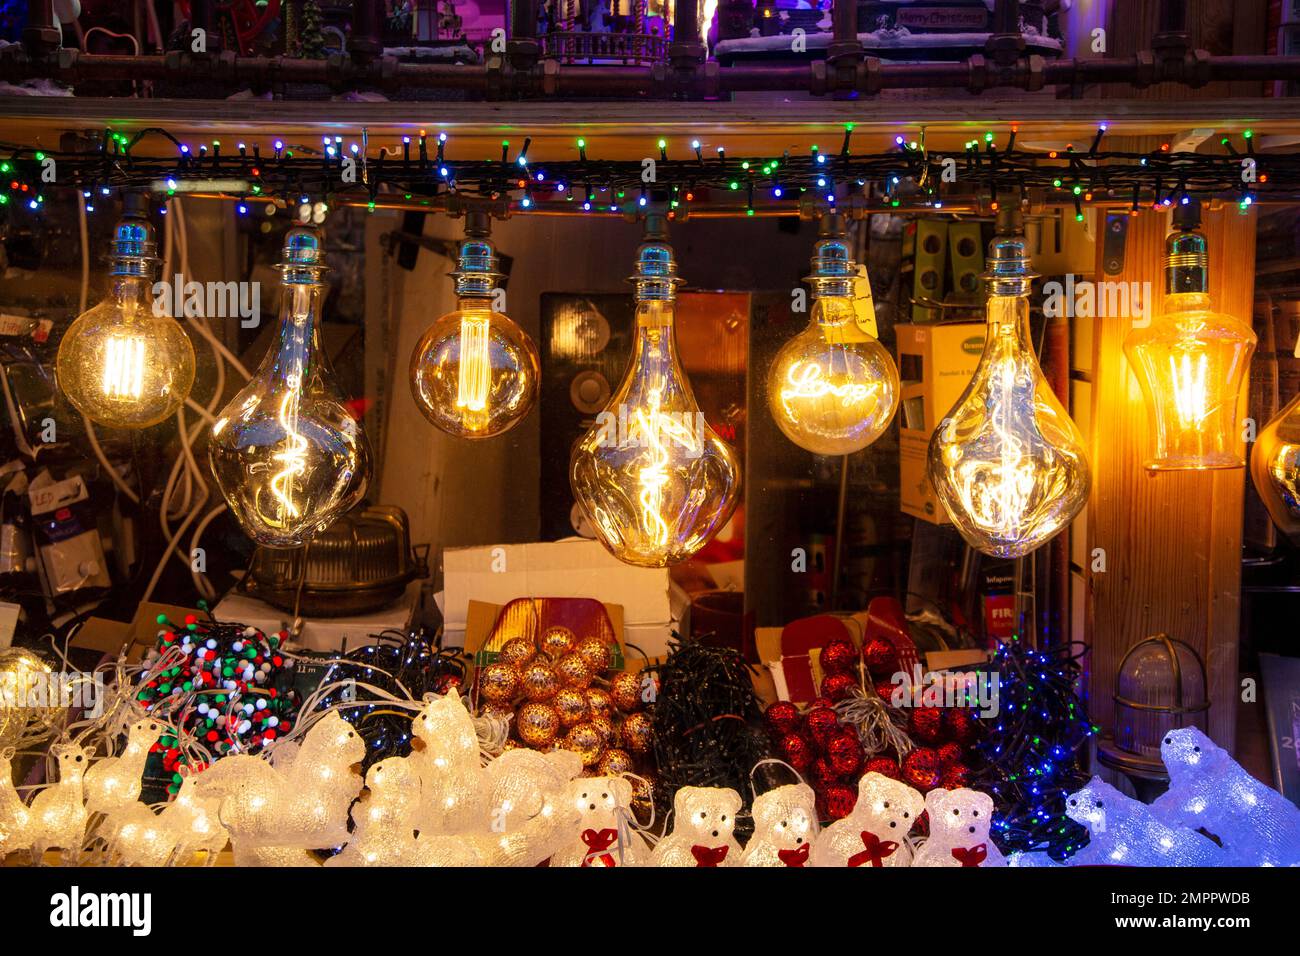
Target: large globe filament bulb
<point>1275,469</point>
<point>1007,462</point>
<point>1191,361</point>
<point>475,373</point>
<point>287,454</point>
<point>654,480</point>
<point>121,363</point>
<point>833,389</point>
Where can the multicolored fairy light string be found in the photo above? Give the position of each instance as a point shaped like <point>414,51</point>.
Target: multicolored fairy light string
<point>421,170</point>
<point>1032,749</point>
<point>227,686</point>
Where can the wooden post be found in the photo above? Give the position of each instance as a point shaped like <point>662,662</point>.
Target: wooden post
<point>1172,541</point>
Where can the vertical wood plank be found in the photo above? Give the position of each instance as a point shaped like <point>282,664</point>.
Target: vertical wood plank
<point>1172,541</point>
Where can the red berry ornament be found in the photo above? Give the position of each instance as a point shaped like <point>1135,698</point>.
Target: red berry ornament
<point>837,800</point>
<point>782,717</point>
<point>844,752</point>
<point>797,751</point>
<point>822,723</point>
<point>838,657</point>
<point>921,769</point>
<point>880,656</point>
<point>926,724</point>
<point>838,686</point>
<point>885,766</point>
<point>950,753</point>
<point>960,725</point>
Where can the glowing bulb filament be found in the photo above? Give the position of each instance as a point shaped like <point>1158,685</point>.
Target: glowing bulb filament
<point>1189,387</point>
<point>124,367</point>
<point>293,456</point>
<point>806,380</point>
<point>475,373</point>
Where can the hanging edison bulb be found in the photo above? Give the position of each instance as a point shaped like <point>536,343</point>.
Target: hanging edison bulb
<point>1007,462</point>
<point>120,364</point>
<point>1191,361</point>
<point>833,388</point>
<point>475,373</point>
<point>1275,469</point>
<point>286,452</point>
<point>653,478</point>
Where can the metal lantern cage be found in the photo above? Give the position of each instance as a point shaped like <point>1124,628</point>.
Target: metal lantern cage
<point>1160,686</point>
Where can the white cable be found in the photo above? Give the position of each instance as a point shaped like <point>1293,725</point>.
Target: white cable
<point>203,585</point>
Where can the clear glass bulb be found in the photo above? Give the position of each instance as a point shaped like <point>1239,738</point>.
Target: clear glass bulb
<point>653,478</point>
<point>120,364</point>
<point>475,373</point>
<point>1191,362</point>
<point>287,454</point>
<point>1007,462</point>
<point>833,388</point>
<point>1275,469</point>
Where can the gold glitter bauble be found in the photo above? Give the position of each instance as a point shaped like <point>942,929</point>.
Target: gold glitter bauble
<point>599,701</point>
<point>585,741</point>
<point>517,652</point>
<point>492,708</point>
<point>537,724</point>
<point>604,726</point>
<point>625,690</point>
<point>21,674</point>
<point>540,681</point>
<point>637,733</point>
<point>498,682</point>
<point>615,763</point>
<point>596,652</point>
<point>557,641</point>
<point>571,705</point>
<point>512,744</point>
<point>573,671</point>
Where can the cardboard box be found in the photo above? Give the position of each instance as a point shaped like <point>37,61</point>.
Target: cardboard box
<point>497,574</point>
<point>936,363</point>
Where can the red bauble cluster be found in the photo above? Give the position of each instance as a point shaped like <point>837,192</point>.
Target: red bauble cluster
<point>822,749</point>
<point>939,759</point>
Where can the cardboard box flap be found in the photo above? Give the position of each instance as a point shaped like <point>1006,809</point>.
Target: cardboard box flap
<point>573,568</point>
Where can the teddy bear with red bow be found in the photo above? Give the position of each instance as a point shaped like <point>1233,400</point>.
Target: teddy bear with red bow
<point>959,830</point>
<point>704,820</point>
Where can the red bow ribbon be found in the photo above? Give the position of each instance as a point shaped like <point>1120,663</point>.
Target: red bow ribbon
<point>709,855</point>
<point>797,857</point>
<point>875,852</point>
<point>971,856</point>
<point>597,842</point>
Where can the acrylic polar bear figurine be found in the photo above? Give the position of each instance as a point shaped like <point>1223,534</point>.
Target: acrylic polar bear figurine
<point>604,815</point>
<point>1123,831</point>
<point>704,819</point>
<point>1207,788</point>
<point>785,826</point>
<point>959,830</point>
<point>874,833</point>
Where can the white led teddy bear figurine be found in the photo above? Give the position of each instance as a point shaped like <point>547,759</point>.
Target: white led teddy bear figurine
<point>704,819</point>
<point>959,830</point>
<point>875,833</point>
<point>605,836</point>
<point>1208,789</point>
<point>1124,832</point>
<point>785,826</point>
